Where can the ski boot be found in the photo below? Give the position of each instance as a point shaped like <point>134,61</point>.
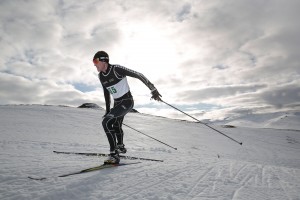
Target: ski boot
<point>121,148</point>
<point>113,158</point>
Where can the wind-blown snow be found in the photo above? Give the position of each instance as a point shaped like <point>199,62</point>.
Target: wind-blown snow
<point>206,165</point>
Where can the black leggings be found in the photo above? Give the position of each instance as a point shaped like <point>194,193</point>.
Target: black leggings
<point>112,122</point>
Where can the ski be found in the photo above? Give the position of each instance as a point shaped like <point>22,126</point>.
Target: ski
<point>103,154</point>
<point>104,166</point>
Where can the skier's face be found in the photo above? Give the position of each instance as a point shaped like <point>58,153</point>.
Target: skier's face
<point>101,66</point>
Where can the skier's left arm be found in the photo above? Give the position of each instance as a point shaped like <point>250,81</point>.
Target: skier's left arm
<point>128,72</point>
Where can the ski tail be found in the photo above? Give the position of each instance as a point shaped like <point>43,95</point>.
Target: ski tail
<point>104,166</point>
<point>100,167</point>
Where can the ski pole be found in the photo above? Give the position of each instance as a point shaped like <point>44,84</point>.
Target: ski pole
<point>149,136</point>
<point>240,143</point>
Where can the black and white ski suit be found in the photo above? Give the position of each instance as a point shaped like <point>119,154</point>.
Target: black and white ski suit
<point>115,83</point>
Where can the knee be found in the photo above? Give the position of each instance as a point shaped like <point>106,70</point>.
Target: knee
<point>107,123</point>
<point>118,129</point>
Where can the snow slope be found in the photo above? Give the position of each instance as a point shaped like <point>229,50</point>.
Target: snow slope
<point>279,120</point>
<point>206,165</point>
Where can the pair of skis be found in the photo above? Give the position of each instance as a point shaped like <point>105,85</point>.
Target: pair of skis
<point>100,167</point>
<point>105,155</point>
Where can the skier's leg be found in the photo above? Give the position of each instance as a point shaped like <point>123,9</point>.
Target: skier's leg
<point>118,111</point>
<point>118,130</point>
<point>119,134</point>
<point>107,124</point>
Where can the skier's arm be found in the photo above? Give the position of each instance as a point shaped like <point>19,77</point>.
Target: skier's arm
<point>107,99</point>
<point>106,96</point>
<point>128,72</point>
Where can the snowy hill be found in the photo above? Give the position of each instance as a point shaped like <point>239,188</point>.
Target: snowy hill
<point>278,120</point>
<point>206,165</point>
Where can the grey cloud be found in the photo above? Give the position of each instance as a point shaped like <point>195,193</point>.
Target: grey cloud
<point>281,96</point>
<point>267,99</point>
<point>221,67</point>
<point>259,44</point>
<point>184,12</point>
<point>217,92</point>
<point>44,45</point>
<point>18,90</point>
<point>46,40</point>
<point>28,28</point>
<point>15,89</point>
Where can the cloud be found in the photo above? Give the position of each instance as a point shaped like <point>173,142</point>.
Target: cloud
<point>212,93</point>
<point>19,90</point>
<point>184,12</point>
<point>236,55</point>
<point>283,96</point>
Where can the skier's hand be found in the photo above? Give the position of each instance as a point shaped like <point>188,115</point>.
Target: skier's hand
<point>155,95</point>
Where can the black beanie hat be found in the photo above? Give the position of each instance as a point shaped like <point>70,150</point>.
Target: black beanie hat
<point>102,55</point>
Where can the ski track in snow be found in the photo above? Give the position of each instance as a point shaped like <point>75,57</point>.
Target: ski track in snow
<point>267,166</point>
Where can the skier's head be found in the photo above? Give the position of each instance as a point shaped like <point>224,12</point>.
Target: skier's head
<point>101,56</point>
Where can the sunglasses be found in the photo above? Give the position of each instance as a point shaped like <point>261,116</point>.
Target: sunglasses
<point>96,61</point>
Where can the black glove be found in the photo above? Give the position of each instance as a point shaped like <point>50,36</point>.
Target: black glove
<point>155,95</point>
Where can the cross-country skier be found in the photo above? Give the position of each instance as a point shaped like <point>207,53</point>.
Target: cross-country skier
<point>114,82</point>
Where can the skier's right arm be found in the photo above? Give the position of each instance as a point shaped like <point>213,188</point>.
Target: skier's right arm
<point>106,96</point>
<point>107,99</point>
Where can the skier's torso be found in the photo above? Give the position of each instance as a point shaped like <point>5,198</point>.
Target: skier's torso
<point>114,81</point>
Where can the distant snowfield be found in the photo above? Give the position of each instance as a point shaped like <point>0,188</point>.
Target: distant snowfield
<point>206,165</point>
<point>279,120</point>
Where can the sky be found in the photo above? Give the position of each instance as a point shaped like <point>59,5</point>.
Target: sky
<point>212,59</point>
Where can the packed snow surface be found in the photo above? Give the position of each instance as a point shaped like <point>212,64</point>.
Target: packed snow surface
<point>206,165</point>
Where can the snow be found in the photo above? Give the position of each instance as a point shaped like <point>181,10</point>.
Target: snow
<point>206,165</point>
<point>279,120</point>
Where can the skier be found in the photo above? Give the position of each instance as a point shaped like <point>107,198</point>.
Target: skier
<point>114,82</point>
